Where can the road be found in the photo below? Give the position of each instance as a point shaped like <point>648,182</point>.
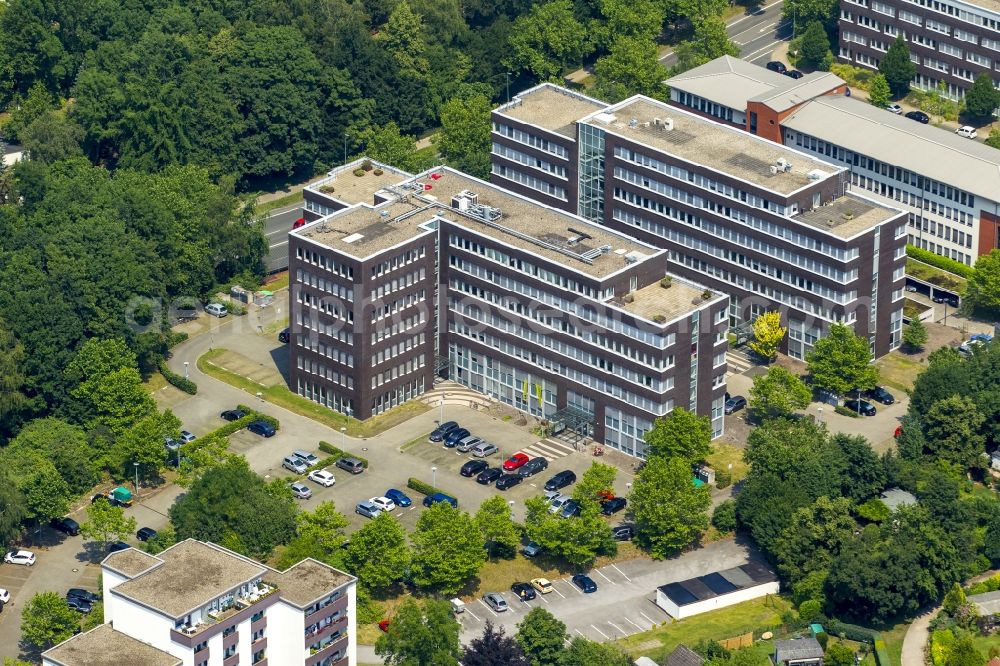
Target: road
<point>276,228</point>
<point>756,34</point>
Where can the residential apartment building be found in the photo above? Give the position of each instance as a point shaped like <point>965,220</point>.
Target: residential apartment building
<point>948,185</point>
<point>198,604</point>
<point>951,42</point>
<point>536,307</point>
<point>771,226</point>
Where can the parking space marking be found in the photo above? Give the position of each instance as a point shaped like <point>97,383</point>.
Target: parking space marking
<point>621,572</point>
<point>487,607</point>
<point>573,585</point>
<point>598,572</point>
<point>556,590</point>
<point>606,637</point>
<point>542,597</point>
<point>579,632</point>
<point>634,624</point>
<point>623,632</point>
<point>473,614</point>
<point>647,617</point>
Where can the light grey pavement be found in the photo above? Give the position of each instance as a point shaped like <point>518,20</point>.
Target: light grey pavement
<point>276,227</point>
<point>757,34</point>
<point>915,640</point>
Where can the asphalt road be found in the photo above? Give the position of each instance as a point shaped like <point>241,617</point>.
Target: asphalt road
<point>276,228</point>
<point>756,34</point>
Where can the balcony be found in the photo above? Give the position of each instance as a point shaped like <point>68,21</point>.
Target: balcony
<point>326,630</point>
<point>231,660</point>
<point>334,647</point>
<point>242,608</point>
<point>315,616</point>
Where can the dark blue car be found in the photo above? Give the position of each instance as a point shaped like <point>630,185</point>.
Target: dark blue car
<point>456,436</point>
<point>398,497</point>
<point>262,428</point>
<point>585,583</point>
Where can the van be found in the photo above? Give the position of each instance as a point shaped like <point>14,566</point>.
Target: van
<point>483,449</point>
<point>431,500</point>
<point>352,465</point>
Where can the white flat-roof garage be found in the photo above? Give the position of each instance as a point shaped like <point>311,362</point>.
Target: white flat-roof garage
<point>716,590</point>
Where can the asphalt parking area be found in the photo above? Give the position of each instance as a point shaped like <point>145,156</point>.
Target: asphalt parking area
<point>12,579</point>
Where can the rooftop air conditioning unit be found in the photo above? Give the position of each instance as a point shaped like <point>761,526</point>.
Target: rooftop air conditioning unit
<point>460,202</point>
<point>470,195</point>
<point>774,170</point>
<point>788,167</point>
<point>668,124</point>
<point>633,123</point>
<point>781,163</point>
<point>657,122</point>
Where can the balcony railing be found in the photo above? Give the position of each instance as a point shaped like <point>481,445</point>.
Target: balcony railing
<point>241,606</point>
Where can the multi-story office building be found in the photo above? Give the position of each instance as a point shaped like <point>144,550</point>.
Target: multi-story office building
<point>198,604</point>
<point>534,306</point>
<point>948,185</point>
<point>950,41</point>
<point>767,224</point>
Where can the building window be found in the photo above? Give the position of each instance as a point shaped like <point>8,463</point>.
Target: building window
<point>259,656</point>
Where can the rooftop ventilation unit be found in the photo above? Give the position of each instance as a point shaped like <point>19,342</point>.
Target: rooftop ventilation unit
<point>817,174</point>
<point>633,123</point>
<point>774,170</point>
<point>470,195</point>
<point>788,167</point>
<point>384,214</point>
<point>781,163</point>
<point>668,124</point>
<point>657,121</point>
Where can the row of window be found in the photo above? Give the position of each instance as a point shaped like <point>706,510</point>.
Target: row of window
<point>335,330</point>
<point>397,396</point>
<point>401,326</point>
<point>401,282</point>
<point>529,181</point>
<point>324,262</point>
<point>337,355</point>
<point>404,368</point>
<point>400,347</point>
<point>942,231</point>
<point>527,160</point>
<point>701,104</point>
<point>989,21</point>
<point>937,248</point>
<point>389,309</point>
<point>324,395</point>
<point>530,140</point>
<point>329,286</point>
<point>398,261</point>
<point>924,206</point>
<point>328,304</point>
<point>312,367</point>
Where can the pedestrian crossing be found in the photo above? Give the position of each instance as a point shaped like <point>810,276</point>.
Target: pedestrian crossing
<point>549,449</point>
<point>738,362</point>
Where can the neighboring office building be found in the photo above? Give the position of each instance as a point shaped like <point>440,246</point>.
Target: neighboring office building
<point>948,185</point>
<point>208,606</point>
<point>535,307</point>
<point>769,225</point>
<point>951,42</point>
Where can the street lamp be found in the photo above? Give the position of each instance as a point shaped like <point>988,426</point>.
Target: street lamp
<point>441,415</point>
<point>136,465</point>
<point>186,373</point>
<point>343,437</point>
<point>508,86</point>
<point>434,476</point>
<point>346,135</point>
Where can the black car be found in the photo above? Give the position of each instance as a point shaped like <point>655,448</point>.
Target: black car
<point>623,533</point>
<point>533,466</point>
<point>452,439</point>
<point>585,583</point>
<point>80,593</point>
<point>473,467</point>
<point>561,480</point>
<point>508,481</point>
<point>524,591</point>
<point>283,336</point>
<point>862,407</point>
<point>776,66</point>
<point>489,475</point>
<point>233,414</point>
<point>879,394</point>
<point>118,545</point>
<point>79,605</point>
<point>613,505</point>
<point>145,534</point>
<point>442,431</point>
<point>793,73</point>
<point>919,116</point>
<point>66,526</point>
<point>262,428</point>
<point>735,404</point>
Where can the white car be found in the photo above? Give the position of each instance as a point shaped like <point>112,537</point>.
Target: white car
<point>894,108</point>
<point>322,477</point>
<point>187,437</point>
<point>23,557</point>
<point>383,503</point>
<point>558,502</point>
<point>217,310</point>
<point>4,596</point>
<point>967,131</point>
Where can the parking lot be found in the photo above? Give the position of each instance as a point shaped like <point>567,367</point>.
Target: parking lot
<point>623,603</point>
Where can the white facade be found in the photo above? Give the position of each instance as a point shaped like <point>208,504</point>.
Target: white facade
<point>714,603</point>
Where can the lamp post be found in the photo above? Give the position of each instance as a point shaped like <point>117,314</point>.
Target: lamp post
<point>508,86</point>
<point>343,437</point>
<point>136,465</point>
<point>186,373</point>
<point>346,136</point>
<point>434,476</point>
<point>441,414</point>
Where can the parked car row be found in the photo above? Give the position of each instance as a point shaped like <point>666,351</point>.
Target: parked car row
<point>452,435</point>
<point>299,462</point>
<point>393,497</point>
<point>529,591</point>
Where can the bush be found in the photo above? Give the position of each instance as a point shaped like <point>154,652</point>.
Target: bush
<point>724,516</point>
<point>944,263</point>
<point>359,172</point>
<point>257,416</point>
<point>723,478</point>
<point>174,379</point>
<point>426,488</point>
<point>667,282</point>
<point>174,338</point>
<point>659,319</point>
<point>327,447</point>
<point>874,510</point>
<point>236,309</point>
<point>822,638</point>
<point>809,610</point>
<point>844,411</point>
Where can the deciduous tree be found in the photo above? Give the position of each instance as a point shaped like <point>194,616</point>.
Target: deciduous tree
<point>496,523</point>
<point>52,137</point>
<point>596,483</point>
<point>915,335</point>
<point>802,13</point>
<point>897,67</point>
<point>631,67</point>
<point>585,652</point>
<point>670,511</point>
<point>542,637</point>
<point>709,41</point>
<point>841,361</point>
<point>319,534</point>
<point>13,509</point>
<point>416,637</point>
<point>46,620</point>
<point>578,540</point>
<point>378,554</point>
<point>680,434</point>
<point>838,654</point>
<point>879,93</point>
<point>982,98</point>
<point>386,144</point>
<point>547,40</point>
<point>983,290</point>
<point>107,522</point>
<point>767,335</point>
<point>465,134</point>
<point>816,46</point>
<point>778,393</point>
<point>952,427</point>
<point>447,549</point>
<point>493,648</point>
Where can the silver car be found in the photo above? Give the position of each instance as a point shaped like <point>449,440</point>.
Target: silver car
<point>300,490</point>
<point>495,601</point>
<point>466,444</point>
<point>306,457</point>
<point>294,464</point>
<point>483,449</point>
<point>368,509</point>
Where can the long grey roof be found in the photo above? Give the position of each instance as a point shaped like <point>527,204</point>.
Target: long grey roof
<point>728,81</point>
<point>797,648</point>
<point>923,149</point>
<point>988,603</point>
<point>792,92</point>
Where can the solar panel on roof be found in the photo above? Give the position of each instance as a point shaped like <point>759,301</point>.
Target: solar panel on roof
<point>718,584</point>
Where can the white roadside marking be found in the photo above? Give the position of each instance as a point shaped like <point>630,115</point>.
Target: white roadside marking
<point>634,624</point>
<point>598,572</point>
<point>648,618</point>
<point>622,631</point>
<point>622,573</point>
<point>472,614</point>
<point>487,607</point>
<point>758,13</point>
<point>579,632</point>
<point>606,637</point>
<point>556,590</point>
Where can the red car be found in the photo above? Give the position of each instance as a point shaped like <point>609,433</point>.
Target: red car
<point>384,625</point>
<point>515,461</point>
<point>301,222</point>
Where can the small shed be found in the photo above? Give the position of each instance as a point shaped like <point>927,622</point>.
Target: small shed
<point>896,497</point>
<point>263,298</point>
<point>684,656</point>
<point>716,590</point>
<point>798,652</point>
<point>645,661</point>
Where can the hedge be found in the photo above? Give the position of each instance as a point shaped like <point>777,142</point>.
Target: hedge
<point>851,632</point>
<point>253,415</point>
<point>844,411</point>
<point>327,447</point>
<point>174,338</point>
<point>944,263</point>
<point>881,653</point>
<point>174,379</point>
<point>426,488</point>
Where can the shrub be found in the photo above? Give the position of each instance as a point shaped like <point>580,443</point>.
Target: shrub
<point>660,319</point>
<point>378,172</point>
<point>944,263</point>
<point>844,411</point>
<point>874,510</point>
<point>809,609</point>
<point>629,297</point>
<point>667,282</point>
<point>359,172</point>
<point>822,638</point>
<point>327,447</point>
<point>724,516</point>
<point>179,381</point>
<point>367,165</point>
<point>723,478</point>
<point>257,416</point>
<point>236,309</point>
<point>174,338</point>
<point>706,295</point>
<point>425,488</point>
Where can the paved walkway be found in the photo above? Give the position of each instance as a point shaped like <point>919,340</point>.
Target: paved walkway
<point>915,641</point>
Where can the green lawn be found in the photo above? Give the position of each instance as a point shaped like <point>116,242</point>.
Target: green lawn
<point>275,204</point>
<point>935,275</point>
<point>899,370</point>
<point>725,455</point>
<point>756,615</point>
<point>279,394</point>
